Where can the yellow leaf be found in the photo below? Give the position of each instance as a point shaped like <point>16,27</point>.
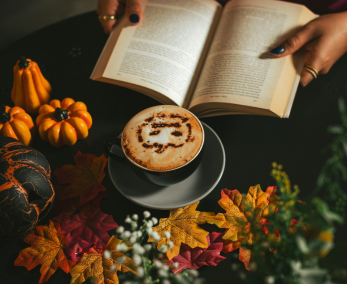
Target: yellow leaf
<point>182,225</point>
<point>103,270</point>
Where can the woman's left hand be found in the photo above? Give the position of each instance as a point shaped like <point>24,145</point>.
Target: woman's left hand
<point>325,40</point>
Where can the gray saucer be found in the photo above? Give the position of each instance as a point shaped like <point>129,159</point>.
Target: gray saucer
<point>192,189</point>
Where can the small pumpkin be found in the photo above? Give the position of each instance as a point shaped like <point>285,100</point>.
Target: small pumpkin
<point>63,123</point>
<point>30,89</point>
<point>16,123</point>
<point>26,192</point>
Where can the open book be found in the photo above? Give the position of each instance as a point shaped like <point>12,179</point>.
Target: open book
<point>206,58</point>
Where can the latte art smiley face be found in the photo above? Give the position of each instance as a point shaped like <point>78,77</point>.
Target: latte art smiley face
<point>162,138</point>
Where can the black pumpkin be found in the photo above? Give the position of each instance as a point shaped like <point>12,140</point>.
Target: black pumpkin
<point>26,193</point>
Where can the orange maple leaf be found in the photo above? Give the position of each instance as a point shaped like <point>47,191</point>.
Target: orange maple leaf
<point>84,179</point>
<point>47,244</point>
<point>237,219</point>
<point>182,225</point>
<point>103,269</point>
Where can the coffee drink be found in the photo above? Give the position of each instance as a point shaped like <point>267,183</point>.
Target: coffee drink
<point>162,138</point>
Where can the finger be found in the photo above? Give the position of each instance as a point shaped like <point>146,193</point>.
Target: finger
<point>311,59</point>
<point>134,11</point>
<point>295,42</point>
<point>108,7</point>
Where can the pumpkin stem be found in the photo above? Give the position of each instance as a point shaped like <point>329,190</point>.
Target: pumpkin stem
<point>61,114</point>
<point>4,117</point>
<point>23,62</point>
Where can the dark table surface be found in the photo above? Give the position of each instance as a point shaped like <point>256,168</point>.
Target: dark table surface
<point>67,52</point>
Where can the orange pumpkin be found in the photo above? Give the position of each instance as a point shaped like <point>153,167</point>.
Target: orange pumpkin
<point>16,123</point>
<point>62,123</point>
<point>30,89</point>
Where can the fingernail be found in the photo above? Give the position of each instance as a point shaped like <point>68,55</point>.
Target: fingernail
<point>134,18</point>
<point>277,50</point>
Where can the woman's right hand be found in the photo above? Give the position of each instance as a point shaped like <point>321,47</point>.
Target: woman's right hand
<point>132,8</point>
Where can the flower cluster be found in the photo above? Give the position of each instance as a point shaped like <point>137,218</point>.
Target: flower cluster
<point>151,264</point>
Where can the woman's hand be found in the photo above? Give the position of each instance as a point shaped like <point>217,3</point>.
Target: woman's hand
<point>117,8</point>
<point>325,40</point>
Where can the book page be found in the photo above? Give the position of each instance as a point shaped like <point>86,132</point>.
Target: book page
<point>163,52</point>
<point>237,69</point>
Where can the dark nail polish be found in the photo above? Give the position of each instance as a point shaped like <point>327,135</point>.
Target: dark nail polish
<point>134,18</point>
<point>277,50</point>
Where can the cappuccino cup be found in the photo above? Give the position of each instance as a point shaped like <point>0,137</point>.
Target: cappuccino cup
<point>162,144</point>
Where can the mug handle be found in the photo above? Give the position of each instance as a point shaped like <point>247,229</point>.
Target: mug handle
<point>118,152</point>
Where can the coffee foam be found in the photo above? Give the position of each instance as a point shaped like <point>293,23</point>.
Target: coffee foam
<point>162,138</point>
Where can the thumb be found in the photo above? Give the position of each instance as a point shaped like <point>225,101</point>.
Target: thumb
<point>134,11</point>
<point>294,43</point>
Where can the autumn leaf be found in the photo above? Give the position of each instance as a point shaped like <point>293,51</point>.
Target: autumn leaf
<point>182,225</point>
<point>197,257</point>
<point>47,245</point>
<point>245,257</point>
<point>83,180</point>
<point>241,214</point>
<point>83,232</point>
<point>235,220</point>
<point>71,205</point>
<point>101,268</point>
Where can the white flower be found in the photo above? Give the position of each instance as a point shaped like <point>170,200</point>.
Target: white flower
<point>174,266</point>
<point>165,281</point>
<point>167,234</point>
<point>138,249</point>
<point>155,220</point>
<point>170,244</point>
<point>140,272</point>
<point>133,239</point>
<point>150,224</point>
<point>242,275</point>
<point>107,254</point>
<point>163,248</point>
<point>121,259</point>
<point>120,230</point>
<point>155,236</point>
<point>269,280</point>
<point>137,259</point>
<point>149,230</point>
<point>165,267</point>
<point>121,247</point>
<point>147,281</point>
<point>135,217</point>
<point>139,234</point>
<point>162,273</point>
<point>126,234</point>
<point>134,225</point>
<point>253,266</point>
<point>193,272</point>
<point>235,266</point>
<point>148,247</point>
<point>146,214</point>
<point>128,220</point>
<point>158,264</point>
<point>112,268</point>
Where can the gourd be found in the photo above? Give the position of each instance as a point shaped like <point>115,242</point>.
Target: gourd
<point>16,123</point>
<point>63,123</point>
<point>26,192</point>
<point>30,89</point>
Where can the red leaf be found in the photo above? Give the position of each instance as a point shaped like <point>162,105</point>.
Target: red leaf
<point>197,257</point>
<point>83,180</point>
<point>83,232</point>
<point>70,205</point>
